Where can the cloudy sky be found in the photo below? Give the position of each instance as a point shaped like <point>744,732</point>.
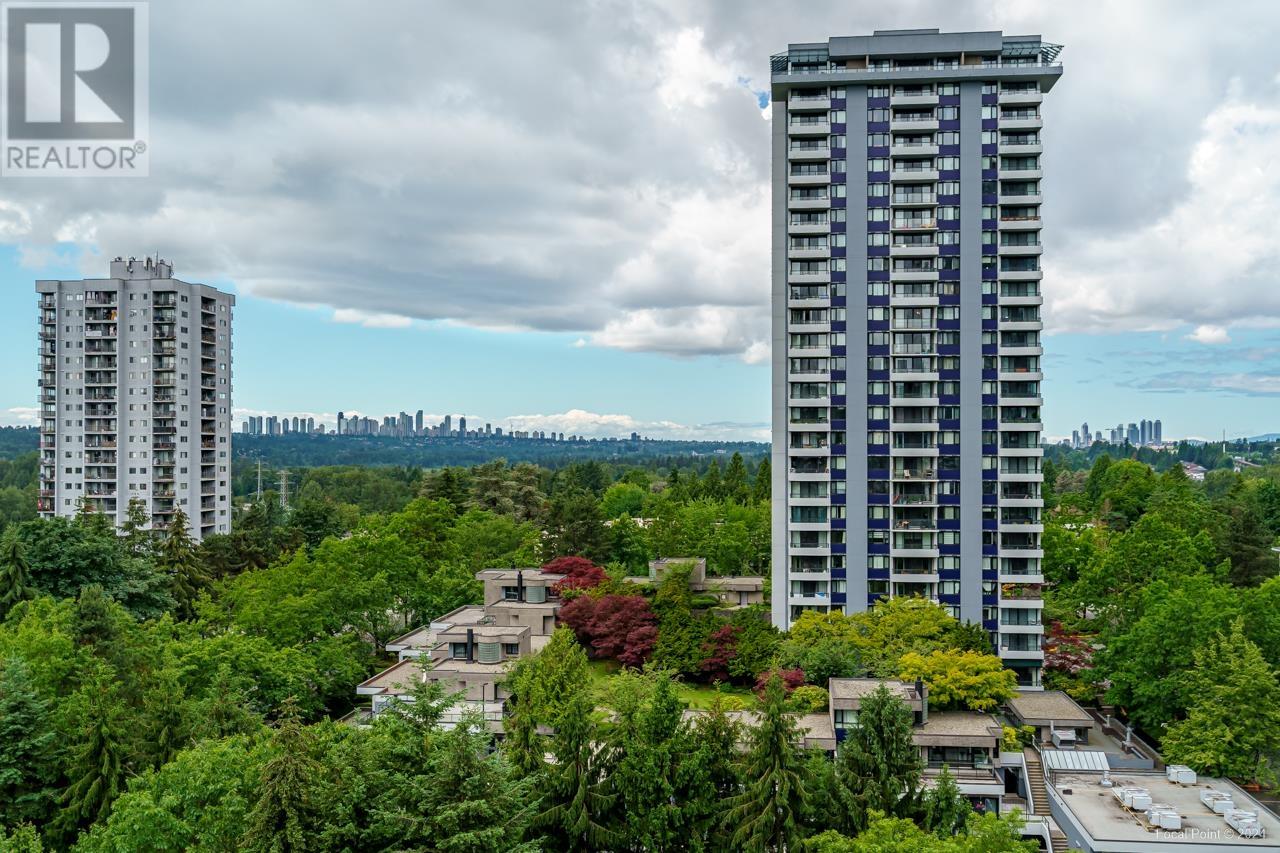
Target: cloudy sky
<point>554,215</point>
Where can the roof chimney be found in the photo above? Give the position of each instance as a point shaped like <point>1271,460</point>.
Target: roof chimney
<point>519,585</point>
<point>924,701</point>
<point>471,646</point>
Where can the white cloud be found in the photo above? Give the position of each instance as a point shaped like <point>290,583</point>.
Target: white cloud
<point>1208,260</point>
<point>371,320</point>
<point>1208,334</point>
<point>597,425</point>
<point>20,416</point>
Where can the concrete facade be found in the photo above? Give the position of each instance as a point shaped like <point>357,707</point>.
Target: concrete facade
<point>135,396</point>
<point>906,328</point>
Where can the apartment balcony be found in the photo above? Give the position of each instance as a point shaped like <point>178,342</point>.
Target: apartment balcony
<point>1007,653</point>
<point>913,175</point>
<point>1029,148</point>
<point>1020,174</point>
<point>808,228</point>
<point>808,253</point>
<point>1027,98</point>
<point>1028,123</point>
<point>921,224</point>
<point>810,204</point>
<point>913,149</point>
<point>904,498</point>
<point>909,199</point>
<point>913,452</point>
<point>820,277</point>
<point>1009,250</point>
<point>906,250</point>
<point>1015,451</point>
<point>811,179</point>
<point>1020,223</point>
<point>1022,199</point>
<point>809,128</point>
<point>801,154</point>
<point>918,473</point>
<point>923,99</point>
<point>899,124</point>
<point>808,102</point>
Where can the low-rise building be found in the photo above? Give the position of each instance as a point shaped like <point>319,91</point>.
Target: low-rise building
<point>1101,809</point>
<point>967,743</point>
<point>1056,717</point>
<point>732,591</point>
<point>471,649</point>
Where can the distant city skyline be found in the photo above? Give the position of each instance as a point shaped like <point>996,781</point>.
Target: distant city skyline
<point>402,425</point>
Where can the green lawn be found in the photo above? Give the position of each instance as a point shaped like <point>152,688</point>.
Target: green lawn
<point>697,696</point>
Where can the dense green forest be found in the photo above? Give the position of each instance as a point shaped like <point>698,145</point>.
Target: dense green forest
<point>1165,600</point>
<point>159,694</point>
<point>156,693</point>
<point>295,451</point>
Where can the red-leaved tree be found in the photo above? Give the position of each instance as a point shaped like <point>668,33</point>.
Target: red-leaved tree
<point>791,679</point>
<point>622,627</point>
<point>1069,653</point>
<point>580,574</point>
<point>719,649</point>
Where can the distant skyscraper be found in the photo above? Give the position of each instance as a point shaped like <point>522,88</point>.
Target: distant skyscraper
<point>417,423</point>
<point>1134,435</point>
<point>339,428</point>
<point>1084,433</point>
<point>1075,438</point>
<point>462,426</point>
<point>1157,432</point>
<point>447,426</point>
<point>906,315</point>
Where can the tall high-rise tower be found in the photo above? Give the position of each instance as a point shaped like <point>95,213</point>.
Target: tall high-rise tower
<point>135,396</point>
<point>906,327</point>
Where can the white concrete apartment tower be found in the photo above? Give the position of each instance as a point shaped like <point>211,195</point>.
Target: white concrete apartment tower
<point>906,327</point>
<point>135,396</point>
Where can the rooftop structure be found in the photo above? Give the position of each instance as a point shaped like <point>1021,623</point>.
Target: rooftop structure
<point>1161,814</point>
<point>732,591</point>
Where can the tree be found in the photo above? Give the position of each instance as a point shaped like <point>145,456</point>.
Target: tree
<point>1233,725</point>
<point>735,480</point>
<point>198,801</point>
<point>945,808</point>
<point>711,775</point>
<point>1248,544</point>
<point>27,747</point>
<point>281,817</point>
<point>135,530</point>
<point>97,767</point>
<point>762,486</point>
<point>767,812</point>
<point>549,678</point>
<point>981,834</point>
<point>622,627</point>
<point>579,574</point>
<point>623,499</point>
<point>719,650</point>
<point>574,526</point>
<point>647,743</point>
<point>176,554</point>
<point>468,800</point>
<point>575,795</point>
<point>15,574</point>
<point>823,659</point>
<point>878,765</point>
<point>978,682</point>
<point>1147,659</point>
